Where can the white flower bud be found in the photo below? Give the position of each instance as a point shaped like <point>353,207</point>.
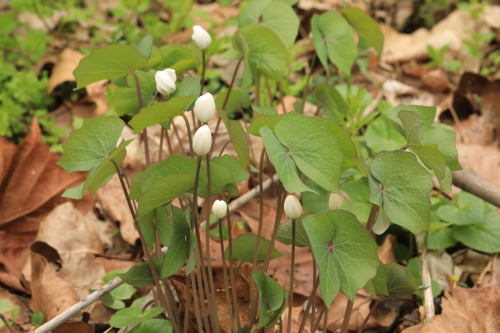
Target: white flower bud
<point>335,201</point>
<point>165,81</point>
<point>293,208</point>
<point>201,37</point>
<point>202,141</point>
<point>204,108</point>
<point>219,208</point>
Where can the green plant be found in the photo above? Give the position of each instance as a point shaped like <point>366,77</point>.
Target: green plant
<point>388,180</point>
<point>6,307</point>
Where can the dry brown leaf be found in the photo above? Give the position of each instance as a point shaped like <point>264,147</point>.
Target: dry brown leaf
<point>50,294</point>
<point>33,178</point>
<point>63,70</point>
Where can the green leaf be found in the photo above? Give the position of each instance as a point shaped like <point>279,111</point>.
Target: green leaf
<point>125,98</point>
<point>140,274</point>
<point>153,325</point>
<point>285,233</point>
<point>332,103</point>
<point>314,149</point>
<point>244,247</point>
<point>345,252</point>
<point>378,285</point>
<point>239,140</point>
<point>109,62</point>
<point>285,166</point>
<point>358,191</point>
<point>332,32</point>
<point>264,50</point>
<point>235,167</point>
<point>344,140</point>
<point>144,46</point>
<point>319,42</point>
<point>263,120</point>
<point>189,86</point>
<point>439,134</point>
<point>366,27</point>
<point>177,251</point>
<point>440,239</point>
<point>133,315</point>
<point>90,145</point>
<point>163,225</point>
<point>238,99</point>
<point>381,135</point>
<point>273,299</point>
<point>163,191</point>
<point>265,111</point>
<point>178,57</point>
<point>160,112</point>
<point>277,15</point>
<point>429,154</point>
<point>317,201</point>
<point>406,189</point>
<point>414,268</point>
<point>37,318</point>
<point>139,178</point>
<point>399,279</point>
<point>5,306</point>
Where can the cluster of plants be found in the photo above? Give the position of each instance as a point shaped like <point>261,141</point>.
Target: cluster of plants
<point>356,174</point>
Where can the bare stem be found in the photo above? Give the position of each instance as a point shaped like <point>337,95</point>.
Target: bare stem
<point>279,214</point>
<point>229,89</point>
<point>313,298</point>
<point>197,304</point>
<point>163,299</point>
<point>141,105</point>
<point>371,218</point>
<point>292,273</point>
<point>306,88</point>
<point>347,316</point>
<point>309,304</point>
<point>372,310</point>
<point>269,93</point>
<point>190,137</point>
<point>231,271</point>
<point>257,89</point>
<point>226,282</point>
<point>160,150</point>
<point>281,97</point>
<point>202,81</point>
<point>253,294</point>
<point>187,301</point>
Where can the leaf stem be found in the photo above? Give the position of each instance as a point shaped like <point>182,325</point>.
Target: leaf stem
<point>253,294</point>
<point>313,296</point>
<point>160,150</point>
<point>347,316</point>
<point>190,137</point>
<point>211,286</point>
<point>202,80</point>
<point>309,304</point>
<point>269,93</point>
<point>197,304</point>
<point>141,105</point>
<point>231,271</point>
<point>257,89</point>
<point>187,300</point>
<point>163,299</point>
<point>226,282</point>
<point>306,88</point>
<point>372,310</point>
<point>229,89</point>
<point>371,218</point>
<point>277,221</point>
<point>292,273</point>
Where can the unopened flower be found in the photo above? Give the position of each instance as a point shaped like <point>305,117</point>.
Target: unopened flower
<point>204,108</point>
<point>201,37</point>
<point>202,141</point>
<point>335,201</point>
<point>219,208</point>
<point>165,81</point>
<point>293,208</point>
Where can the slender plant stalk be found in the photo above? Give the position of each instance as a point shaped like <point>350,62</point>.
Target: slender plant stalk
<point>269,93</point>
<point>6,323</point>
<point>313,299</point>
<point>188,300</point>
<point>347,316</point>
<point>325,321</point>
<point>316,323</point>
<point>257,89</point>
<point>281,97</point>
<point>306,88</point>
<point>190,137</point>
<point>231,271</point>
<point>309,304</point>
<point>202,80</point>
<point>226,282</point>
<point>199,254</point>
<point>349,305</point>
<point>178,137</point>
<point>292,273</point>
<point>229,89</point>
<point>163,299</point>
<point>160,150</point>
<point>201,287</point>
<point>372,310</point>
<point>169,144</point>
<point>253,294</point>
<point>141,105</point>
<point>279,214</point>
<point>197,304</point>
<point>171,301</point>
<point>211,286</point>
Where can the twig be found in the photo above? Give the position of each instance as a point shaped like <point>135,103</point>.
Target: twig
<point>73,310</point>
<point>477,185</point>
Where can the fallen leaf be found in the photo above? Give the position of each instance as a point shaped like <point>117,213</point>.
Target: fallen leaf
<point>63,70</point>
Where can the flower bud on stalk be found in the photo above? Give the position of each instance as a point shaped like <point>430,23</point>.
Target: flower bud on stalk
<point>204,108</point>
<point>202,141</point>
<point>335,201</point>
<point>219,208</point>
<point>165,81</point>
<point>293,208</point>
<point>201,37</point>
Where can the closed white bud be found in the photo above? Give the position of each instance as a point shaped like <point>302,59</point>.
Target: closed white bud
<point>202,141</point>
<point>204,108</point>
<point>201,37</point>
<point>165,81</point>
<point>293,208</point>
<point>219,208</point>
<point>335,201</point>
